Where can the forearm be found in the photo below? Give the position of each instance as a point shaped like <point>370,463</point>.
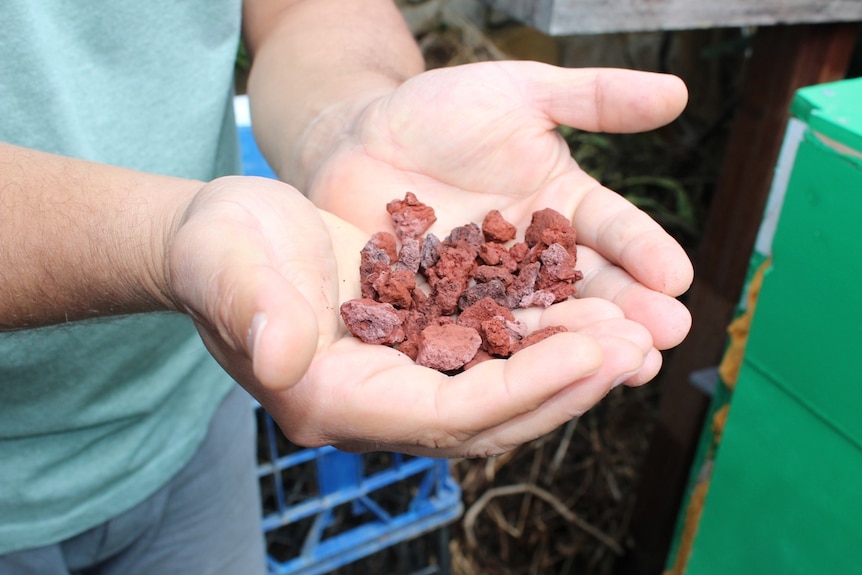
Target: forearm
<point>81,240</point>
<point>315,65</point>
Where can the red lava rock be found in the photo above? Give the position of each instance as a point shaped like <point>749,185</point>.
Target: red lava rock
<point>454,263</point>
<point>537,336</point>
<point>475,279</point>
<point>447,347</point>
<point>483,310</point>
<point>499,256</point>
<point>496,338</point>
<point>373,262</point>
<point>410,256</point>
<point>550,226</point>
<point>413,321</point>
<point>480,356</point>
<point>494,289</point>
<point>523,285</point>
<point>425,305</point>
<point>429,254</point>
<point>372,322</point>
<point>447,293</point>
<point>395,287</point>
<point>450,276</point>
<point>558,263</point>
<point>558,274</point>
<point>540,298</point>
<point>491,253</point>
<point>386,242</point>
<point>470,233</point>
<point>485,274</point>
<point>519,252</point>
<point>410,346</point>
<point>496,229</point>
<point>410,217</point>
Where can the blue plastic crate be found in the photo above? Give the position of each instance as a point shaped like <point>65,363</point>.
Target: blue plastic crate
<point>253,162</point>
<point>324,508</point>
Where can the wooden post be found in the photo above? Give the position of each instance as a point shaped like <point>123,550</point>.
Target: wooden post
<point>784,58</point>
<point>565,17</point>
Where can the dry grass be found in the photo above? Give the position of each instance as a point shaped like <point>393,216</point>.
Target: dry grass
<point>560,504</point>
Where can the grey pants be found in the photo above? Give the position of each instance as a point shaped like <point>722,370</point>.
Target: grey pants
<point>205,521</point>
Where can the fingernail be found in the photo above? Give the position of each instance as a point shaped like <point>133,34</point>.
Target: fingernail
<point>257,324</point>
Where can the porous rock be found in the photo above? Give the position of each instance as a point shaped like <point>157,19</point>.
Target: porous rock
<point>475,277</point>
<point>447,347</point>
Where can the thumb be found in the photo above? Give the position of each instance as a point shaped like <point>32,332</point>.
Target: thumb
<point>607,99</point>
<point>279,327</point>
<point>254,321</point>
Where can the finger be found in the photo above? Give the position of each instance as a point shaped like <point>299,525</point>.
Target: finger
<point>274,350</point>
<point>622,359</point>
<point>248,309</point>
<point>280,327</point>
<point>262,317</point>
<point>635,333</point>
<point>667,319</point>
<point>573,314</point>
<point>264,342</point>
<point>606,99</point>
<point>620,328</point>
<point>648,371</point>
<point>377,394</point>
<point>507,388</point>
<point>628,237</point>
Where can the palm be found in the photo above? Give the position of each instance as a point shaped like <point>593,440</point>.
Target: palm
<point>248,247</point>
<point>361,397</point>
<point>465,140</point>
<point>441,145</point>
<point>470,139</point>
<point>366,397</point>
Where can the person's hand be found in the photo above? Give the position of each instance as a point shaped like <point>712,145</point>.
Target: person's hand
<point>483,136</point>
<point>263,272</point>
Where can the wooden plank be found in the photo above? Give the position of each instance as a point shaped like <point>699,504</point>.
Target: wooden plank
<point>566,17</point>
<point>784,58</point>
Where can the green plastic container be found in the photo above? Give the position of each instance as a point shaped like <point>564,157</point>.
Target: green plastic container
<point>785,494</point>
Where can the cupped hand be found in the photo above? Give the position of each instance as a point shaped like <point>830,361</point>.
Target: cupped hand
<point>263,272</point>
<point>483,136</point>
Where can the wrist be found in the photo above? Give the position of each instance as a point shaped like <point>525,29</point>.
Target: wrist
<point>155,272</point>
<point>331,128</point>
<point>315,67</point>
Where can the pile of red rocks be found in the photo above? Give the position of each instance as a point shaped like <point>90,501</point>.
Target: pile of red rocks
<point>474,277</point>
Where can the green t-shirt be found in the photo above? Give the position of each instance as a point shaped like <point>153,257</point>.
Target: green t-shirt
<point>95,416</point>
